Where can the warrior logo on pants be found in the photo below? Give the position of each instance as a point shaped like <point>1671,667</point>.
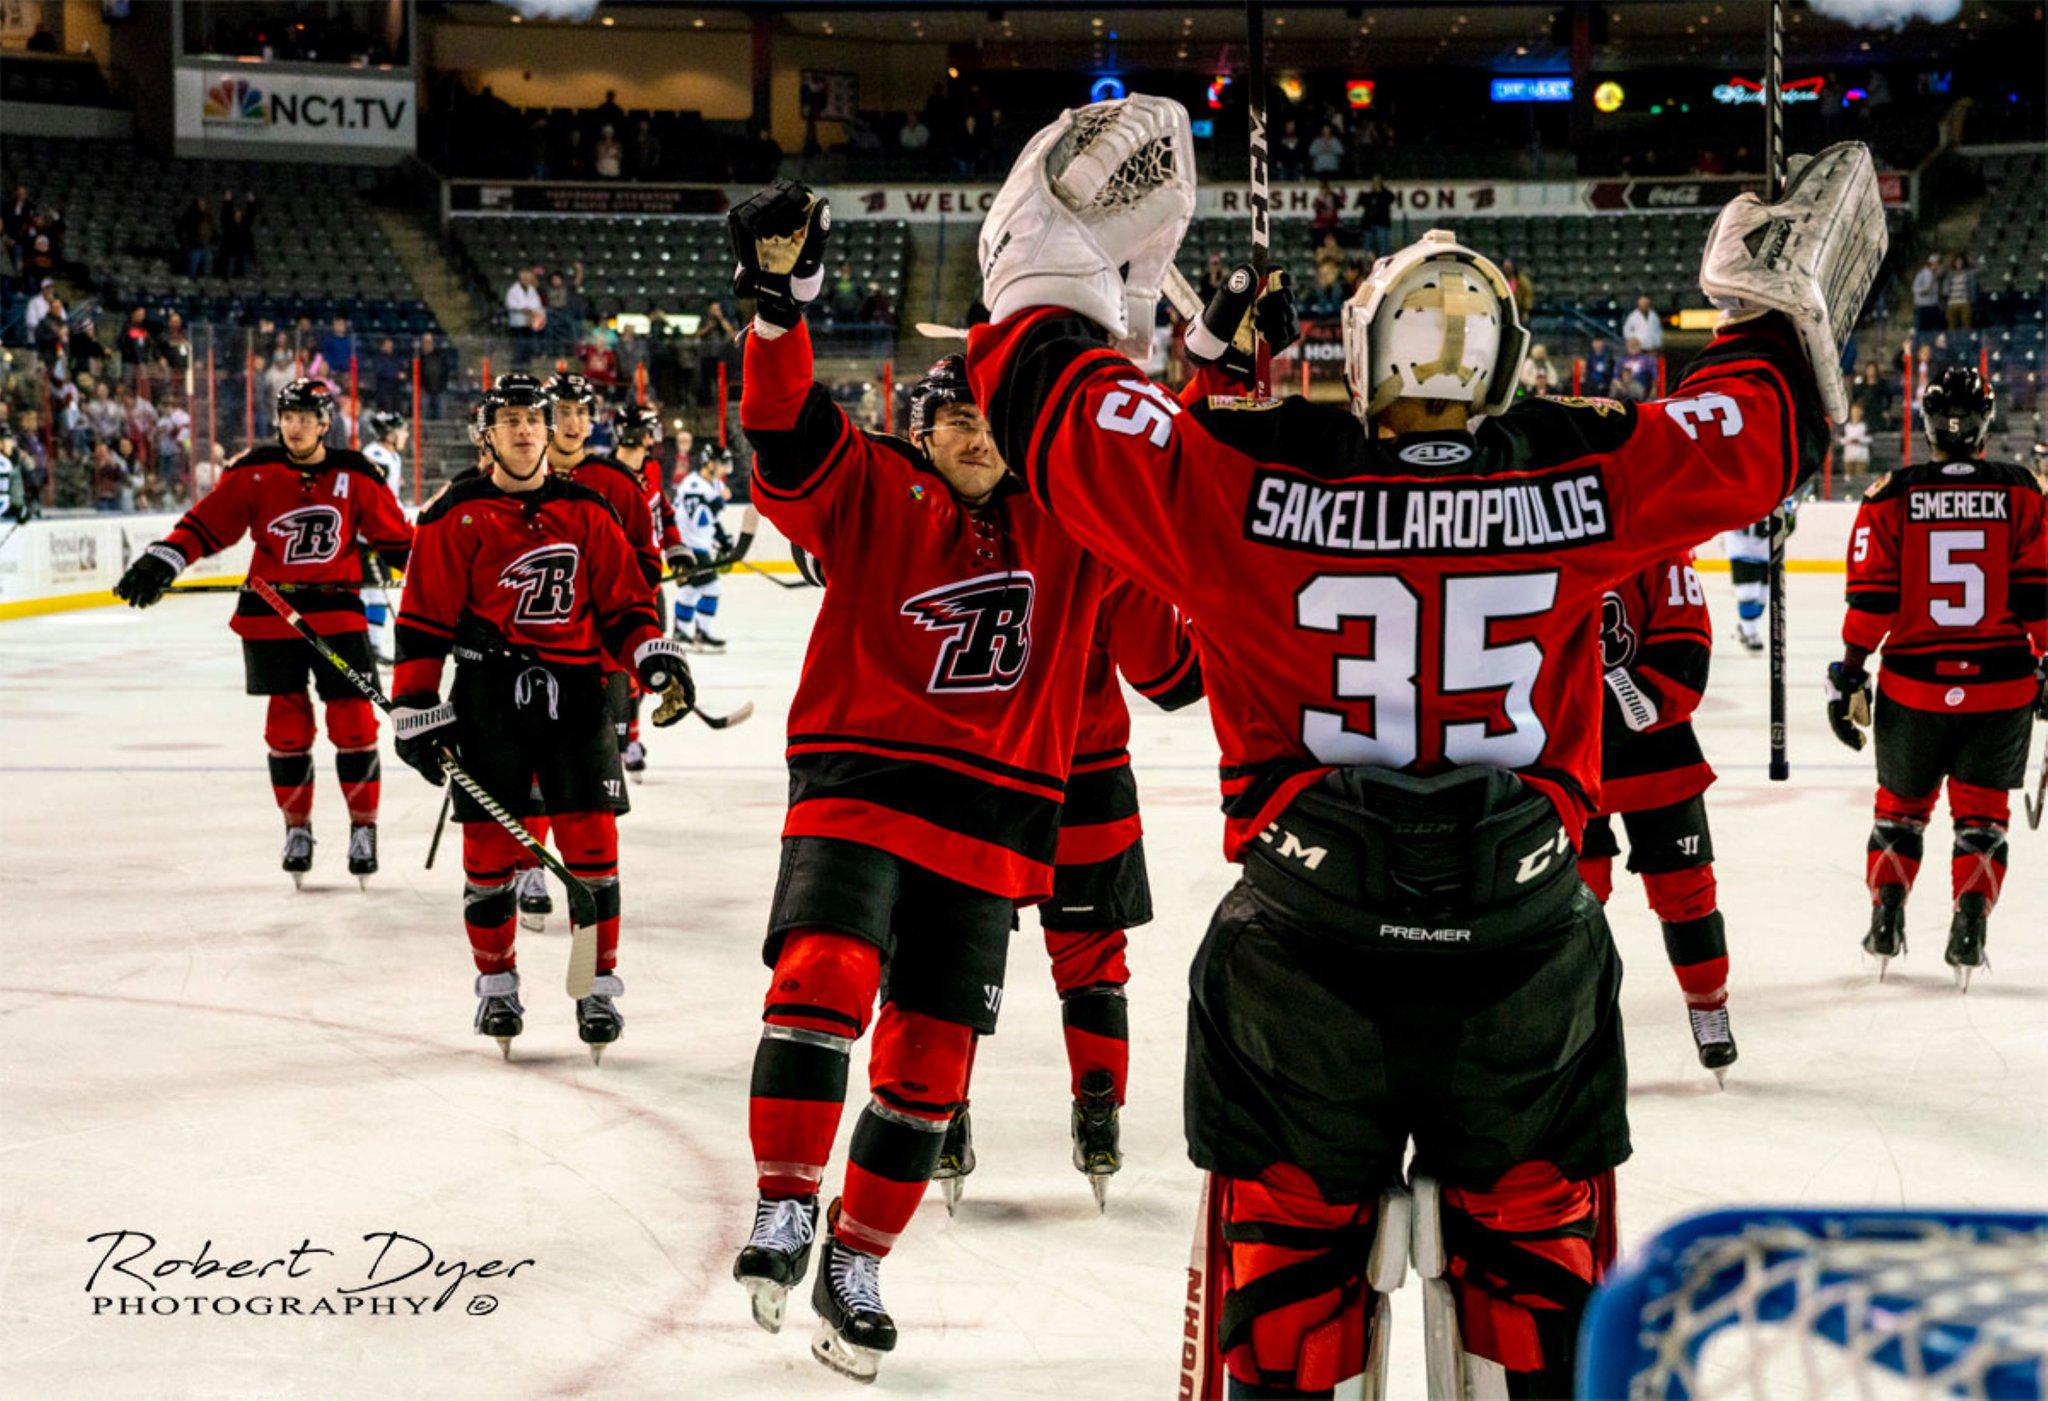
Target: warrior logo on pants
<point>989,622</point>
<point>546,581</point>
<point>311,534</point>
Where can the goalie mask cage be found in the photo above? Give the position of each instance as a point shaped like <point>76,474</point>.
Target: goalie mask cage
<point>1817,1303</point>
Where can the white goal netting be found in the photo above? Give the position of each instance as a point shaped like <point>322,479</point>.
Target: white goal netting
<point>1815,1303</point>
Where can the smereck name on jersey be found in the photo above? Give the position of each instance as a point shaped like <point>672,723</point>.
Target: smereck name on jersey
<point>1372,518</point>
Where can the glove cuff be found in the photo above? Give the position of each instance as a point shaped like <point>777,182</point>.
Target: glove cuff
<point>170,554</point>
<point>659,649</point>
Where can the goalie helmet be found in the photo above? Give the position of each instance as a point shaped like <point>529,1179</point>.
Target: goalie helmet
<point>944,383</point>
<point>511,391</point>
<point>1434,320</point>
<point>566,388</point>
<point>638,426</point>
<point>309,395</point>
<point>1957,411</point>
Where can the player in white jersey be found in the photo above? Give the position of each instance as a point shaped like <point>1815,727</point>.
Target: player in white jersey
<point>1749,565</point>
<point>385,447</point>
<point>700,505</point>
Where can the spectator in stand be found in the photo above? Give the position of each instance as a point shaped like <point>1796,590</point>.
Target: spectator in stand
<point>1287,152</point>
<point>1326,153</point>
<point>137,346</point>
<point>105,413</point>
<point>1213,273</point>
<point>134,472</point>
<point>68,403</point>
<point>1959,291</point>
<point>1537,373</point>
<point>238,239</point>
<point>1645,327</point>
<point>1328,289</point>
<point>174,348</point>
<point>525,313</point>
<point>915,136</point>
<point>600,361</point>
<point>716,335</point>
<point>31,458</point>
<point>53,336</point>
<point>609,159</point>
<point>632,355</point>
<point>38,306</point>
<point>1376,217</point>
<point>196,237</point>
<point>1329,259</point>
<point>1872,392</point>
<point>1927,317</point>
<point>608,112</point>
<point>437,368</point>
<point>844,298</point>
<point>82,349</point>
<point>1637,379</point>
<point>19,211</point>
<point>565,310</point>
<point>173,443</point>
<point>1598,379</point>
<point>386,379</point>
<point>1856,441</point>
<point>337,348</point>
<point>1522,285</point>
<point>875,307</point>
<point>108,478</point>
<point>284,368</point>
<point>1324,213</point>
<point>142,420</point>
<point>647,152</point>
<point>575,156</point>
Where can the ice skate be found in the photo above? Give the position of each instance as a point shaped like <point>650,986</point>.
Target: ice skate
<point>1966,934</point>
<point>598,1022</point>
<point>956,1160</point>
<point>298,854</point>
<point>362,852</point>
<point>535,904</point>
<point>634,759</point>
<point>1750,633</point>
<point>777,1255</point>
<point>1713,1039</point>
<point>1096,1150</point>
<point>1887,937</point>
<point>706,640</point>
<point>498,1013</point>
<point>854,1329</point>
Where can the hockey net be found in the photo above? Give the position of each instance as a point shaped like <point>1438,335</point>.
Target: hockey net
<point>1826,1303</point>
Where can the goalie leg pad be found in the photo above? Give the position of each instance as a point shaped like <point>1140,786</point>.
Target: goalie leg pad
<point>1507,1273</point>
<point>1298,1303</point>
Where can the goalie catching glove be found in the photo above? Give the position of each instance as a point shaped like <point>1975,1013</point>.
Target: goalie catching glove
<point>1227,333</point>
<point>664,671</point>
<point>1091,217</point>
<point>778,240</point>
<point>1812,255</point>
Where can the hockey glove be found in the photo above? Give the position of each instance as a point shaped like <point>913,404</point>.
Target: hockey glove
<point>778,241</point>
<point>423,729</point>
<point>1848,703</point>
<point>705,570</point>
<point>678,558</point>
<point>664,671</point>
<point>145,580</point>
<point>1230,327</point>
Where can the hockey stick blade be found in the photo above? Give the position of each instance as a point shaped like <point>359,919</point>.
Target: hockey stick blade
<point>582,903</point>
<point>726,722</point>
<point>779,582</point>
<point>2038,799</point>
<point>933,331</point>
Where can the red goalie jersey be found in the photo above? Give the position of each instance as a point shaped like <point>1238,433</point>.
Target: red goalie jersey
<point>308,526</point>
<point>1948,572</point>
<point>1655,645</point>
<point>938,707</point>
<point>1420,602</point>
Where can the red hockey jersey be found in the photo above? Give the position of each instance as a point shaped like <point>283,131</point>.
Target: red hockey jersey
<point>1948,573</point>
<point>308,526</point>
<point>938,706</point>
<point>661,509</point>
<point>625,491</point>
<point>545,572</point>
<point>1412,603</point>
<point>1143,638</point>
<point>1655,633</point>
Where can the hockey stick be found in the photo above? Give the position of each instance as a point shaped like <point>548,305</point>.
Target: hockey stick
<point>1774,185</point>
<point>582,903</point>
<point>749,523</point>
<point>774,579</point>
<point>11,529</point>
<point>2039,797</point>
<point>726,722</point>
<point>1259,195</point>
<point>440,823</point>
<point>285,587</point>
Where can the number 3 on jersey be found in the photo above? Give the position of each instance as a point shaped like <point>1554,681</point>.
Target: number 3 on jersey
<point>1386,680</point>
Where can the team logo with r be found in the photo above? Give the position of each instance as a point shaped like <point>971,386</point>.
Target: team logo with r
<point>310,535</point>
<point>987,623</point>
<point>546,581</point>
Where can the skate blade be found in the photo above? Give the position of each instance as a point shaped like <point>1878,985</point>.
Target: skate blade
<point>363,881</point>
<point>298,879</point>
<point>532,923</point>
<point>951,1188</point>
<point>847,1359</point>
<point>770,1302</point>
<point>505,1046</point>
<point>1098,1183</point>
<point>637,775</point>
<point>597,1052</point>
<point>1720,1077</point>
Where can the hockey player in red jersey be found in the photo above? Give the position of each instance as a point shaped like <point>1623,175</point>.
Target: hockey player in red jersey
<point>1655,645</point>
<point>928,747</point>
<point>639,431</point>
<point>1410,733</point>
<point>1948,574</point>
<point>1100,889</point>
<point>527,580</point>
<point>309,510</point>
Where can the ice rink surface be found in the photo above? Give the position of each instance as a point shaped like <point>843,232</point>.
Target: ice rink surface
<point>194,1051</point>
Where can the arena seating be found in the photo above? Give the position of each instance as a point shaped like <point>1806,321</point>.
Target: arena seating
<point>319,250</point>
<point>645,263</point>
<point>2011,247</point>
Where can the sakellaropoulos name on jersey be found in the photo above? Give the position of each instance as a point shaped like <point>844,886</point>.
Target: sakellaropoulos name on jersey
<point>1418,518</point>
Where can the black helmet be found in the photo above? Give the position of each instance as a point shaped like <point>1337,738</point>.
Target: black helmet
<point>382,423</point>
<point>511,391</point>
<point>1957,410</point>
<point>712,451</point>
<point>566,388</point>
<point>312,395</point>
<point>639,426</point>
<point>944,383</point>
